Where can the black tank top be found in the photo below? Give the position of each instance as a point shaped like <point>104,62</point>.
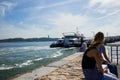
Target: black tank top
<point>88,62</point>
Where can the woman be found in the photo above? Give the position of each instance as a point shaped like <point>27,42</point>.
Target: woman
<point>104,58</point>
<point>92,64</point>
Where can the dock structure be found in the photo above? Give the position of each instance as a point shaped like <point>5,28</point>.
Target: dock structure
<point>108,39</point>
<point>111,39</point>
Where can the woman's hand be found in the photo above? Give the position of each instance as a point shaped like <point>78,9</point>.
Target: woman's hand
<point>105,70</point>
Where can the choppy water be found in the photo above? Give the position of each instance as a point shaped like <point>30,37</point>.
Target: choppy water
<point>19,57</point>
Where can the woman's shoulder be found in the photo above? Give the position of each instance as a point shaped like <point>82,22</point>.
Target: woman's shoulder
<point>92,48</point>
<point>92,52</point>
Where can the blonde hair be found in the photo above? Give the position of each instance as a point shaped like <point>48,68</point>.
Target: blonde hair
<point>98,39</point>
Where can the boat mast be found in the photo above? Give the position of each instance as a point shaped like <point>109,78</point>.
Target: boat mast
<point>77,30</point>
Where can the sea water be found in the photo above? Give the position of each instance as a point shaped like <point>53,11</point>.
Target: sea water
<point>20,57</point>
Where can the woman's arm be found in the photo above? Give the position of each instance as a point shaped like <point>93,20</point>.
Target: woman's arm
<point>104,53</point>
<point>98,61</point>
<point>106,57</point>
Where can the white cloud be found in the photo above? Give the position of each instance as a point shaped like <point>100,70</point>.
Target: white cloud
<point>112,30</point>
<point>66,22</point>
<point>60,3</point>
<point>6,6</point>
<point>114,13</point>
<point>104,3</point>
<point>30,31</point>
<point>104,6</point>
<point>69,22</point>
<point>108,25</point>
<point>9,5</point>
<point>62,22</point>
<point>106,19</point>
<point>2,11</point>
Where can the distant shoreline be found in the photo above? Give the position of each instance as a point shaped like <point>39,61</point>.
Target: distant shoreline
<point>28,39</point>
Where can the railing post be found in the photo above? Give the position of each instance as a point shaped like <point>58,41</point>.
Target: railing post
<point>117,53</point>
<point>111,53</point>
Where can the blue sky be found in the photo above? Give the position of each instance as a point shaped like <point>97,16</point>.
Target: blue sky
<point>40,18</point>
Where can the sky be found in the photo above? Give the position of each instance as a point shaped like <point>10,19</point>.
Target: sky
<point>40,18</point>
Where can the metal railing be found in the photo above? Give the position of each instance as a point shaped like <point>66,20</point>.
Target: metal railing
<point>114,52</point>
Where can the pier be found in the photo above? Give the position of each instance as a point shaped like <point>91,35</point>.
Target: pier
<point>111,39</point>
<point>108,39</point>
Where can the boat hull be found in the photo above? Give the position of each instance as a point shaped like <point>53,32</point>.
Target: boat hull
<point>64,45</point>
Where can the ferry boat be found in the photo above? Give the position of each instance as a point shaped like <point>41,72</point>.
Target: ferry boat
<point>69,39</point>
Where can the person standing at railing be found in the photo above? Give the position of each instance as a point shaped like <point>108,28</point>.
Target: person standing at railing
<point>83,46</point>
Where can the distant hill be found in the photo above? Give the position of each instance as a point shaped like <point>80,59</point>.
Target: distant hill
<point>28,39</point>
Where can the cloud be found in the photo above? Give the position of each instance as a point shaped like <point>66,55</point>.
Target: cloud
<point>109,29</point>
<point>60,23</point>
<point>60,3</point>
<point>100,16</point>
<point>2,11</point>
<point>104,3</point>
<point>66,22</point>
<point>104,6</point>
<point>114,13</point>
<point>56,25</point>
<point>5,7</point>
<point>31,31</point>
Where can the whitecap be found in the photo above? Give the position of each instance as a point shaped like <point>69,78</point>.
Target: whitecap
<point>28,62</point>
<point>56,54</point>
<point>5,67</point>
<point>38,59</point>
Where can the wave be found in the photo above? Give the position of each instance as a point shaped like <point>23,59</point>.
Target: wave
<point>55,54</point>
<point>5,67</point>
<point>9,50</point>
<point>26,63</point>
<point>49,54</point>
<point>38,59</point>
<point>58,53</point>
